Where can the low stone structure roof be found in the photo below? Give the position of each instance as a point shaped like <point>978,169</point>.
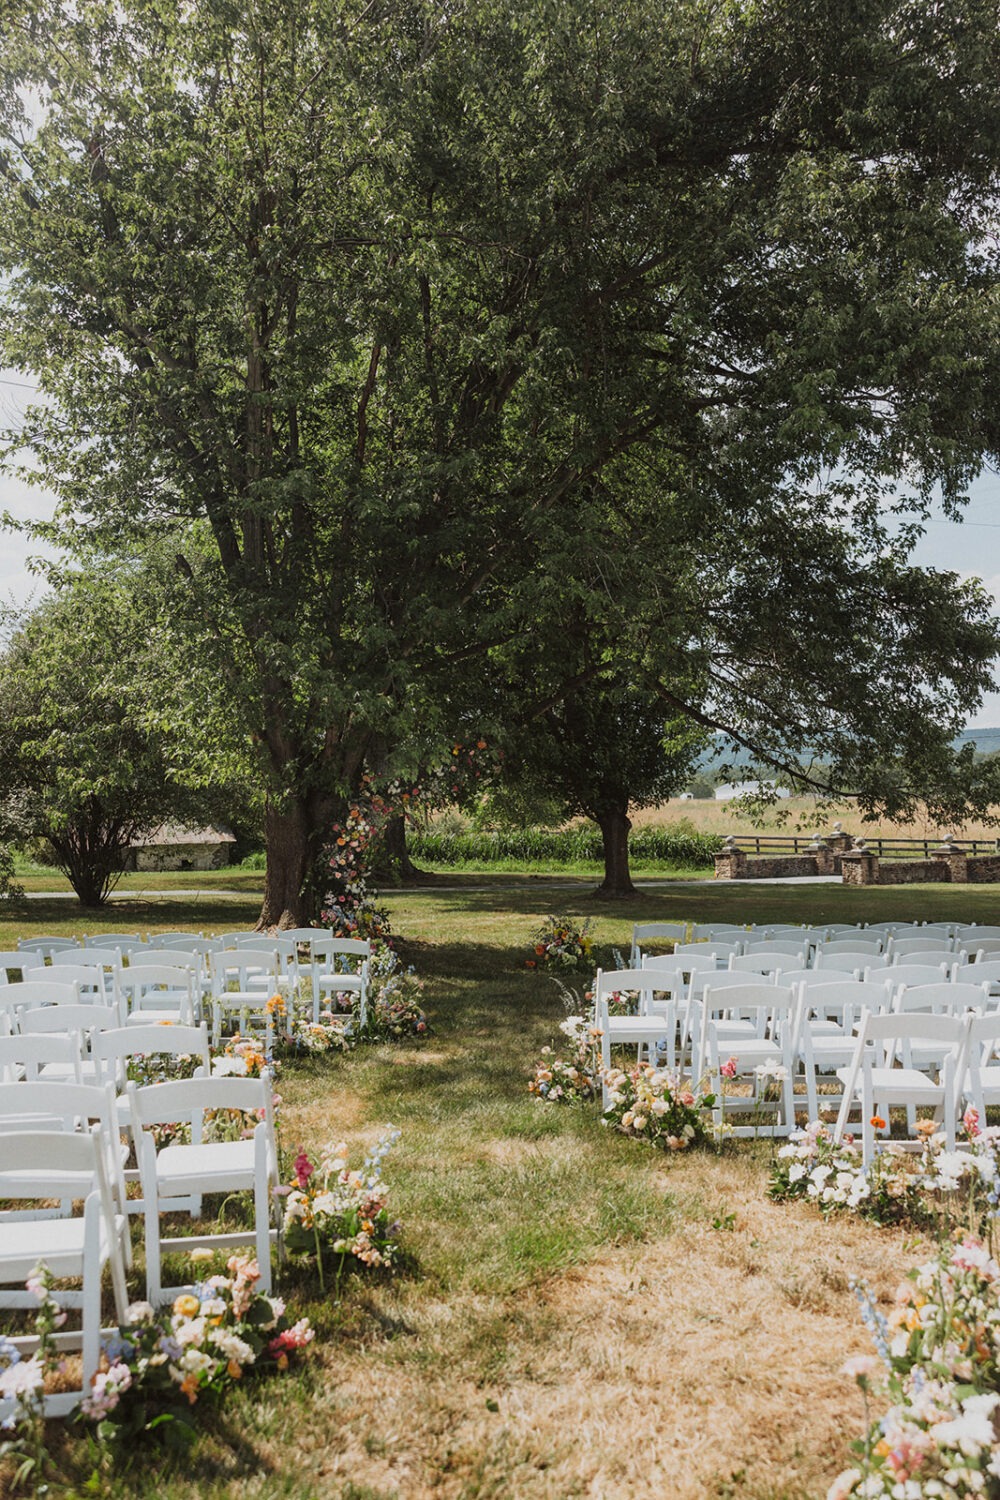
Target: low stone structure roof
<point>170,834</point>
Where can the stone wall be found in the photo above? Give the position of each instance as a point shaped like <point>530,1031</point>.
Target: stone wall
<point>983,868</point>
<point>733,864</point>
<point>912,871</point>
<point>181,857</point>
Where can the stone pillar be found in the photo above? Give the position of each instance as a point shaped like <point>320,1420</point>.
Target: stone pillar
<point>955,858</point>
<point>730,862</point>
<point>859,865</point>
<point>838,840</point>
<point>823,855</point>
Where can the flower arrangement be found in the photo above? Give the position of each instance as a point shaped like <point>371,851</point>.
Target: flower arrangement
<point>929,1186</point>
<point>937,1366</point>
<point>562,943</point>
<point>209,1339</point>
<point>657,1106</point>
<point>331,1210</point>
<point>241,1057</point>
<point>394,1004</point>
<point>573,1079</point>
<point>299,1035</point>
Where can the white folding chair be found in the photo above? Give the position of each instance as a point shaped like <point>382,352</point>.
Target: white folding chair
<point>31,1058</point>
<point>15,963</point>
<point>65,1166</point>
<point>237,990</point>
<point>333,972</point>
<point>981,1082</point>
<point>178,1176</point>
<point>859,960</point>
<point>767,961</point>
<point>647,1029</point>
<point>825,1030</point>
<point>986,971</point>
<point>882,1073</point>
<point>766,1053</point>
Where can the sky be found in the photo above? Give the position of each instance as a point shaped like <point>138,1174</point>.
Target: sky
<point>970,547</point>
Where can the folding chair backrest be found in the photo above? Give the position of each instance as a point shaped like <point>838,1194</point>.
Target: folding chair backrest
<point>986,971</point>
<point>767,961</point>
<point>84,1017</point>
<point>111,939</point>
<point>26,1054</point>
<point>109,957</point>
<point>335,951</point>
<point>846,957</point>
<point>88,979</point>
<point>111,1048</point>
<point>943,998</point>
<point>34,992</point>
<point>654,932</point>
<point>629,981</point>
<point>810,977</point>
<point>794,946</point>
<point>920,943</point>
<point>46,946</point>
<point>191,1098</point>
<point>967,935</point>
<point>910,975</point>
<point>178,958</point>
<point>851,944</point>
<point>73,1104</point>
<point>726,932</point>
<point>725,979</point>
<point>981,947</point>
<point>175,939</point>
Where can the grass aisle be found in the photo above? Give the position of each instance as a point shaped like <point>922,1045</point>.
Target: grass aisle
<point>579,1316</point>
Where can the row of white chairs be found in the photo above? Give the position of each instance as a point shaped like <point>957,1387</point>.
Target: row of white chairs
<point>805,1031</point>
<point>972,937</point>
<point>62,1140</point>
<point>237,978</point>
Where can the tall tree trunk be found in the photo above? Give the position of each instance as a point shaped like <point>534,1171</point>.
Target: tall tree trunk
<point>396,860</point>
<point>290,895</point>
<point>614,824</point>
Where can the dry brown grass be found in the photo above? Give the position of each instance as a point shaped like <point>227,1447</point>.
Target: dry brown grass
<point>799,813</point>
<point>701,1364</point>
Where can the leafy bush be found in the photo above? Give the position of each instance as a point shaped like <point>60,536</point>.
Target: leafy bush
<point>564,846</point>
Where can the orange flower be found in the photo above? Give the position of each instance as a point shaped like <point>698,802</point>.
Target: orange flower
<point>234,1370</point>
<point>189,1385</point>
<point>878,1122</point>
<point>539,949</point>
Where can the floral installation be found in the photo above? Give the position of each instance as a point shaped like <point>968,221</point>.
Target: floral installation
<point>143,1068</point>
<point>198,1350</point>
<point>937,1368</point>
<point>395,994</point>
<point>932,1186</point>
<point>299,1034</point>
<point>573,1079</point>
<point>332,1211</point>
<point>562,943</point>
<point>657,1106</point>
<point>241,1057</point>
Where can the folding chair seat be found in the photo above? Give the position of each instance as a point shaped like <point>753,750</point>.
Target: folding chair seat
<point>113,1051</point>
<point>177,1176</point>
<point>882,1073</point>
<point>67,1166</point>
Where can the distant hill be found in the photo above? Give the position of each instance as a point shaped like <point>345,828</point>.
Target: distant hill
<point>987,741</point>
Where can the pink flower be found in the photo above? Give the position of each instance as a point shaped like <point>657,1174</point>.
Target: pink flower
<point>971,1122</point>
<point>304,1169</point>
<point>728,1069</point>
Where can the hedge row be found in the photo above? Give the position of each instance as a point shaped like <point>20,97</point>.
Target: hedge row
<point>561,847</point>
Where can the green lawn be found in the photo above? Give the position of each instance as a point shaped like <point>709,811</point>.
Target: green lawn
<point>576,1311</point>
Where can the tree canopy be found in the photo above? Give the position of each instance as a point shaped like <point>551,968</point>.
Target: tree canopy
<point>435,320</point>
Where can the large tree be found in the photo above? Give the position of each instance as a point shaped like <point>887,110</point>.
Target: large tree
<point>89,756</point>
<point>380,293</point>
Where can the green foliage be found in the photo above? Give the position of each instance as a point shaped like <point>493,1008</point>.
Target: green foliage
<point>566,846</point>
<point>88,755</point>
<point>410,328</point>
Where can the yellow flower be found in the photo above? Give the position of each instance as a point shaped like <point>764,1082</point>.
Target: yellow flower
<point>186,1306</point>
